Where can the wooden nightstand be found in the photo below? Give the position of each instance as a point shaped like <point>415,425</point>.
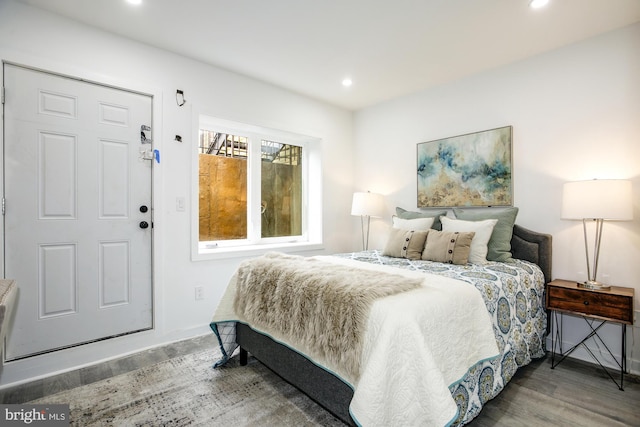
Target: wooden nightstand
<point>612,305</point>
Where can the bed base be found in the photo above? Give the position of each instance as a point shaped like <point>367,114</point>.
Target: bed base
<point>320,385</point>
<point>324,387</point>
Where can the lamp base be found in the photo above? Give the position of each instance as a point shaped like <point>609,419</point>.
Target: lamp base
<point>594,284</point>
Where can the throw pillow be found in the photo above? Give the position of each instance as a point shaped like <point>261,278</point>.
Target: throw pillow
<point>422,224</point>
<point>433,213</point>
<point>405,243</point>
<point>499,246</point>
<point>483,230</point>
<point>449,247</point>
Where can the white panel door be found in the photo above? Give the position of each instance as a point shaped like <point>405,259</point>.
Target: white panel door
<point>77,197</point>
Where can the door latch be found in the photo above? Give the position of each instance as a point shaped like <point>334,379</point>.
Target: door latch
<point>149,154</point>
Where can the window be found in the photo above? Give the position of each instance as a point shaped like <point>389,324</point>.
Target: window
<point>222,173</point>
<point>253,187</point>
<point>280,189</point>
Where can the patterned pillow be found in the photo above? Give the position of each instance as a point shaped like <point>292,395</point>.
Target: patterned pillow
<point>451,247</point>
<point>405,243</point>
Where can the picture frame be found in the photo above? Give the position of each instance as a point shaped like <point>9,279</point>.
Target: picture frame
<point>473,169</point>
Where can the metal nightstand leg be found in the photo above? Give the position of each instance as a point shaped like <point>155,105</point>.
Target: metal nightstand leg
<point>557,344</point>
<point>556,338</point>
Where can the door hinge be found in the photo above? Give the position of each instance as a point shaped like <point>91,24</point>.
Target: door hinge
<point>3,206</point>
<point>2,95</point>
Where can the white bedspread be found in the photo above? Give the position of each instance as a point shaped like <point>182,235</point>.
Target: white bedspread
<point>416,345</point>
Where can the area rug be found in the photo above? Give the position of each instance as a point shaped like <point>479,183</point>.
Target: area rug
<point>187,391</point>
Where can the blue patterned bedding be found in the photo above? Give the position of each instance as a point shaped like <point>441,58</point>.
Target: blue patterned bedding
<point>514,295</point>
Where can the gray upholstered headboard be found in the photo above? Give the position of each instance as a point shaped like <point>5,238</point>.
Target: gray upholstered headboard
<point>534,247</point>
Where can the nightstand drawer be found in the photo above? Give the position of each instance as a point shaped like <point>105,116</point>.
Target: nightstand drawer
<point>601,304</point>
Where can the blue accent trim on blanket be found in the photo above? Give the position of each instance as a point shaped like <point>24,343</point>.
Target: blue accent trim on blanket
<point>455,417</point>
<point>457,382</point>
<point>226,352</point>
<point>225,356</point>
<point>353,417</point>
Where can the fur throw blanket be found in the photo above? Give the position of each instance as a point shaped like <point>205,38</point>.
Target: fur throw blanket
<point>317,306</point>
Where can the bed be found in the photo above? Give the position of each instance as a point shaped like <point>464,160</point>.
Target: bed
<point>512,293</point>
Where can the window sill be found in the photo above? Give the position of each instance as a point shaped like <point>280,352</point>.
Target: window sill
<point>204,254</point>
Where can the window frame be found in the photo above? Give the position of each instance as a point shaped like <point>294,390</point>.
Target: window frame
<point>254,244</point>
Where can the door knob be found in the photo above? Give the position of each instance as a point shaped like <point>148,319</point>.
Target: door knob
<point>144,224</point>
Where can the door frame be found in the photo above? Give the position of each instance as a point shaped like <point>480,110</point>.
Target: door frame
<point>67,71</point>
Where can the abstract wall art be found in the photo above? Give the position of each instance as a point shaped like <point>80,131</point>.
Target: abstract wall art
<point>466,170</point>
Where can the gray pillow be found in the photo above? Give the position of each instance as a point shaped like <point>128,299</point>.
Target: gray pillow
<point>499,246</point>
<point>405,243</point>
<point>451,247</point>
<point>433,213</point>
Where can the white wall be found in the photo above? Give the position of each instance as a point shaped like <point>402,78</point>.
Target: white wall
<point>35,38</point>
<point>575,114</point>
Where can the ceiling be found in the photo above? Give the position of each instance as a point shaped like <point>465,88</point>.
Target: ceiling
<point>387,47</point>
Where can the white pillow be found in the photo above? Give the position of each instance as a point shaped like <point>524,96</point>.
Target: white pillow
<point>483,230</point>
<point>416,224</point>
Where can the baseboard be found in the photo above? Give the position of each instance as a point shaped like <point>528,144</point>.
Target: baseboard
<point>634,367</point>
<point>633,359</point>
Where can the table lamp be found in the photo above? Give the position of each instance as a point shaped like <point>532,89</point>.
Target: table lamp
<point>596,200</point>
<point>367,205</point>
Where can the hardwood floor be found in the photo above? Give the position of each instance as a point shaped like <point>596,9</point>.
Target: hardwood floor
<point>51,385</point>
<point>575,393</point>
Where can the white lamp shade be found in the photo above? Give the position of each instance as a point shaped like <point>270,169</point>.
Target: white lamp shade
<point>367,204</point>
<point>597,199</point>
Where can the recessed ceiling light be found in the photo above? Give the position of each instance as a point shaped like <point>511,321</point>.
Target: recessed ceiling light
<point>134,2</point>
<point>536,4</point>
<point>347,82</point>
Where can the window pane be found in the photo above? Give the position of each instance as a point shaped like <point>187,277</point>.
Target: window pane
<point>223,186</point>
<point>281,189</point>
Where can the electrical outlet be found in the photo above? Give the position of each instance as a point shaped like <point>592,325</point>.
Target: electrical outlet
<point>199,293</point>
